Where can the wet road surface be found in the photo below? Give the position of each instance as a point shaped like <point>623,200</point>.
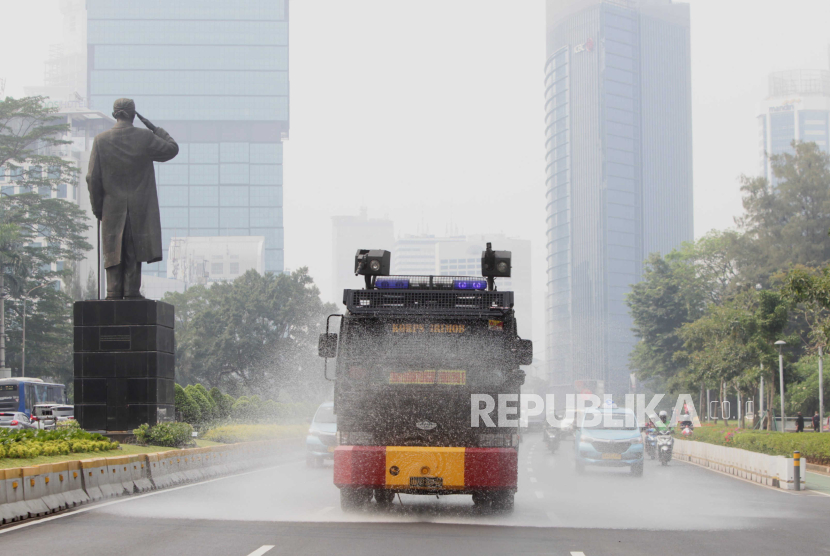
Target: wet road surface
<point>292,509</point>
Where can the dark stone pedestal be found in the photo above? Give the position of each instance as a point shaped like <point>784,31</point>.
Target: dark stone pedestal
<point>124,364</point>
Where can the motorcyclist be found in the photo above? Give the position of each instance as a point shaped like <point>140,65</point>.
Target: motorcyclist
<point>664,417</point>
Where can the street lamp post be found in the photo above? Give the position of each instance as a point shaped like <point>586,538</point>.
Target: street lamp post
<point>781,344</point>
<point>23,343</point>
<point>820,390</point>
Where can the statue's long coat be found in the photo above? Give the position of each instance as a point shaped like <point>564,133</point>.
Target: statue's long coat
<point>121,180</point>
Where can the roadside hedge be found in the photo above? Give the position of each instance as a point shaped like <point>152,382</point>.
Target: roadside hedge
<point>815,448</point>
<point>230,434</point>
<point>31,443</point>
<point>171,435</point>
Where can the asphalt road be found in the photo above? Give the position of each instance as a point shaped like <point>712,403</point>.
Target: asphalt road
<point>679,509</point>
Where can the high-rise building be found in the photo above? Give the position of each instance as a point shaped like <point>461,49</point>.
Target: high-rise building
<point>797,108</point>
<point>348,234</point>
<point>215,75</point>
<point>619,173</point>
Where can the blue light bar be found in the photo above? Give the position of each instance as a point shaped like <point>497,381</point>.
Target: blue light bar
<point>469,284</point>
<point>391,284</point>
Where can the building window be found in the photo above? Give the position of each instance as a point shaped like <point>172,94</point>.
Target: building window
<point>204,174</point>
<point>233,174</point>
<point>204,196</point>
<point>44,191</point>
<point>233,152</point>
<point>234,268</point>
<point>266,174</point>
<point>266,196</point>
<point>204,153</point>
<point>61,191</point>
<point>204,217</point>
<point>233,218</point>
<point>266,153</point>
<point>217,268</point>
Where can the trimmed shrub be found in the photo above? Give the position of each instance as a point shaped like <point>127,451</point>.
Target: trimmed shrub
<point>65,440</point>
<point>201,400</point>
<point>230,434</point>
<point>185,404</point>
<point>211,405</point>
<point>222,402</point>
<point>171,435</point>
<point>815,448</point>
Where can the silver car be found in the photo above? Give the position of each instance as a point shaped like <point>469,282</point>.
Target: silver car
<point>15,420</point>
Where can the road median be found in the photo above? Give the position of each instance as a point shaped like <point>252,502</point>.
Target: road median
<point>35,491</point>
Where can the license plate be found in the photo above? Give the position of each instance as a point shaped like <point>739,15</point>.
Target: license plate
<point>428,482</point>
<point>611,456</point>
<point>331,448</point>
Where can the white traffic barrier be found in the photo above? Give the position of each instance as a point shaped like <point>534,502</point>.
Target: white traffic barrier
<point>121,471</point>
<point>39,490</point>
<point>94,471</point>
<point>72,478</point>
<point>12,505</point>
<point>776,471</point>
<point>34,490</point>
<point>140,473</point>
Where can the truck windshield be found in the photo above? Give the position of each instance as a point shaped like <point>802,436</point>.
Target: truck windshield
<point>453,353</point>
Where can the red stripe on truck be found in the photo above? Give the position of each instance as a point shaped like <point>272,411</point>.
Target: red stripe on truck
<point>491,467</point>
<point>360,466</point>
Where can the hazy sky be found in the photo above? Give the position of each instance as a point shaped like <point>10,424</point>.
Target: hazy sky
<point>431,112</point>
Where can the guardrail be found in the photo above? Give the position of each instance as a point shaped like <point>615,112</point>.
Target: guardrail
<point>27,492</point>
<point>775,471</point>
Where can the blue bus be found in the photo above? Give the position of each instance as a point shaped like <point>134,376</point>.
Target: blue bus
<point>21,394</point>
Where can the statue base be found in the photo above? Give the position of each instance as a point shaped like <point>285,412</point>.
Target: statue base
<point>125,364</point>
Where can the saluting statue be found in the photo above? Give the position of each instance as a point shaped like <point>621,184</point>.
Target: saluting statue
<point>122,189</point>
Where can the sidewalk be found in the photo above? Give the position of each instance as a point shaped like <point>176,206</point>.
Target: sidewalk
<point>818,482</point>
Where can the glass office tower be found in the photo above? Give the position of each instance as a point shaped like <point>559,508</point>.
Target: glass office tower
<point>797,108</point>
<point>214,74</point>
<point>619,174</point>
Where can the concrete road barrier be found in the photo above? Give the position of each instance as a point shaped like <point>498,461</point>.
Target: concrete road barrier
<point>27,492</point>
<point>72,478</point>
<point>776,471</point>
<point>93,471</point>
<point>12,505</point>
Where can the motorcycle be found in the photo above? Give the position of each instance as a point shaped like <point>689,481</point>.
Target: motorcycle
<point>552,437</point>
<point>651,443</point>
<point>665,445</point>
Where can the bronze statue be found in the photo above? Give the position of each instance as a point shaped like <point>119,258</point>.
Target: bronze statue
<point>122,190</point>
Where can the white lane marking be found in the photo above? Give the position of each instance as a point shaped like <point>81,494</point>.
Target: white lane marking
<point>266,547</point>
<point>540,494</point>
<point>533,479</point>
<point>136,497</point>
<point>325,510</point>
<point>530,470</point>
<point>577,554</point>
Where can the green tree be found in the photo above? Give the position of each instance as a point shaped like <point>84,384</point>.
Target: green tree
<point>263,332</point>
<point>42,237</point>
<point>675,290</point>
<point>787,223</point>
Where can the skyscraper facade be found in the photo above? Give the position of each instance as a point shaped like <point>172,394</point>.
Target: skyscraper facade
<point>619,173</point>
<point>797,108</point>
<point>348,234</point>
<point>214,74</point>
